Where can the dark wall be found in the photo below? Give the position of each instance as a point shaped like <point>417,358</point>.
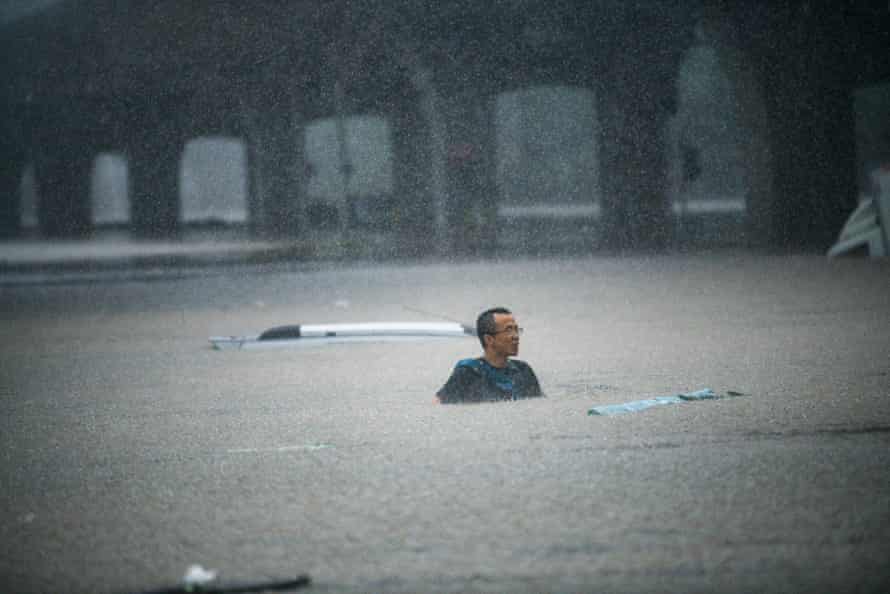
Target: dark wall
<point>12,163</point>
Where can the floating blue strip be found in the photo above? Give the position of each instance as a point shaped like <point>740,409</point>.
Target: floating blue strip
<point>638,405</point>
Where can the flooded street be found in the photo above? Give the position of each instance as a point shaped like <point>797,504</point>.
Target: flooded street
<point>131,449</point>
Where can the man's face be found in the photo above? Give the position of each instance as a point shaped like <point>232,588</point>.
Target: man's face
<point>506,340</point>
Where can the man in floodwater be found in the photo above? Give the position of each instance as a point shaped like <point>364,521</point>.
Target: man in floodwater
<point>493,376</point>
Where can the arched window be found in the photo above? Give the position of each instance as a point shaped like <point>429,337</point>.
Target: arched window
<point>350,171</point>
<point>717,144</point>
<point>547,168</point>
<point>547,161</point>
<point>109,199</point>
<point>214,181</point>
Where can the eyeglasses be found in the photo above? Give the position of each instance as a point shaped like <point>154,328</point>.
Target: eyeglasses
<point>511,330</point>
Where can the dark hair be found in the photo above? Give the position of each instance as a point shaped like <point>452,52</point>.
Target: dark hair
<point>485,322</point>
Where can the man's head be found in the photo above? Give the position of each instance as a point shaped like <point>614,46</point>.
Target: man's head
<point>498,331</point>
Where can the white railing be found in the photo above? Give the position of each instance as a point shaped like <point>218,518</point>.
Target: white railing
<point>593,210</point>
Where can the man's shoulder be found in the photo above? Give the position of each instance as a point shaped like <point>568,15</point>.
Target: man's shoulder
<point>464,383</point>
<point>466,369</point>
<point>520,364</point>
<point>472,364</point>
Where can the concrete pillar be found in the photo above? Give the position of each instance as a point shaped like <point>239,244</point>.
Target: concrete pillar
<point>63,160</point>
<point>633,169</point>
<point>12,165</point>
<point>756,147</point>
<point>154,169</point>
<point>635,95</point>
<point>276,167</point>
<point>470,168</point>
<point>155,149</point>
<point>411,218</point>
<point>432,111</point>
<point>257,219</point>
<point>419,121</point>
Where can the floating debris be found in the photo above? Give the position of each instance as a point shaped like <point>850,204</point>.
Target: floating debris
<point>638,405</point>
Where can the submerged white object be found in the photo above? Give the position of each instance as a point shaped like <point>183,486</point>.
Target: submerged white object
<point>198,576</point>
<point>869,225</point>
<point>638,405</point>
<point>313,334</point>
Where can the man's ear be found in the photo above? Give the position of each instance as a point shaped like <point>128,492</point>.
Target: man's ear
<point>486,339</point>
